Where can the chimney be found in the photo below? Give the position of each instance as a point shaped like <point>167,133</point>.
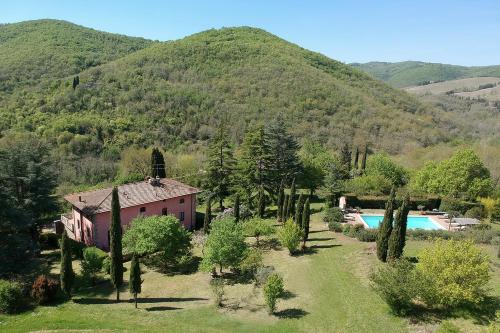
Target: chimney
<point>80,198</point>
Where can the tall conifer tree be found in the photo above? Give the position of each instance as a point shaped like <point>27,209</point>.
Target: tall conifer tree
<point>208,215</point>
<point>262,203</point>
<point>221,165</point>
<point>115,244</point>
<point>385,228</point>
<point>306,219</point>
<point>356,158</point>
<point>299,210</point>
<point>157,164</point>
<point>279,204</point>
<point>67,276</point>
<point>291,201</point>
<point>398,235</point>
<point>135,281</point>
<point>284,212</point>
<point>345,157</point>
<point>237,207</point>
<point>363,161</point>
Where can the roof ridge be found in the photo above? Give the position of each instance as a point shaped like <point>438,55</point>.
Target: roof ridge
<point>100,203</point>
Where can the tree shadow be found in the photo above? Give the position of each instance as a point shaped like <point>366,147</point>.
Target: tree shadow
<point>481,314</point>
<point>288,295</point>
<point>269,244</point>
<point>320,239</point>
<point>162,308</point>
<point>94,301</point>
<point>292,313</point>
<point>316,231</point>
<point>313,249</point>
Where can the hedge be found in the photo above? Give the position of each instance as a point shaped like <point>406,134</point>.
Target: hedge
<point>378,202</point>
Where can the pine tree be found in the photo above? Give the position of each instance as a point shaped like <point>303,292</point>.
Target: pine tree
<point>237,208</point>
<point>356,159</point>
<point>398,235</point>
<point>262,203</point>
<point>306,219</point>
<point>279,204</point>
<point>363,161</point>
<point>208,216</point>
<point>291,201</point>
<point>255,166</point>
<point>284,208</point>
<point>345,157</point>
<point>76,82</point>
<point>221,165</point>
<point>135,281</point>
<point>157,164</point>
<point>115,244</point>
<point>385,228</point>
<point>299,210</point>
<point>285,160</point>
<point>67,276</point>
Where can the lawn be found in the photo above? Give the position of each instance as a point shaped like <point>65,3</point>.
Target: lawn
<point>327,291</point>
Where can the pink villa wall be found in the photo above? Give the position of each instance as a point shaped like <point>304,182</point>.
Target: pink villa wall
<point>102,221</point>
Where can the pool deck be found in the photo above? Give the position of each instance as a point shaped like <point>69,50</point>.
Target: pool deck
<point>442,222</point>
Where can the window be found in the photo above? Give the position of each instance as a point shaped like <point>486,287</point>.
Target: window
<point>181,216</point>
<point>164,211</point>
<point>142,210</point>
<point>181,201</point>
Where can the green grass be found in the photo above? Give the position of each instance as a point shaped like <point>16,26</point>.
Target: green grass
<point>328,291</point>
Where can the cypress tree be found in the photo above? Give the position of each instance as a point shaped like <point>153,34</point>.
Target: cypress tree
<point>262,203</point>
<point>135,278</point>
<point>237,207</point>
<point>299,211</point>
<point>279,204</point>
<point>284,208</point>
<point>356,158</point>
<point>115,244</point>
<point>76,82</point>
<point>345,158</point>
<point>306,219</point>
<point>208,215</point>
<point>291,201</point>
<point>157,164</point>
<point>398,235</point>
<point>67,275</point>
<point>385,228</point>
<point>363,161</point>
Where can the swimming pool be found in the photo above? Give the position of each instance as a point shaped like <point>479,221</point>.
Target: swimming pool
<point>414,222</point>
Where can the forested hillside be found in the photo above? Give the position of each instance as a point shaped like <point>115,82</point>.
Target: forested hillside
<point>412,73</point>
<point>52,49</point>
<point>174,93</point>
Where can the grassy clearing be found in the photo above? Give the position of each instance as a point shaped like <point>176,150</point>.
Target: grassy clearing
<point>327,291</point>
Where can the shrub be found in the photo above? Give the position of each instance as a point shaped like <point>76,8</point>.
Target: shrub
<point>273,289</point>
<point>251,263</point>
<point>106,265</point>
<point>367,235</point>
<point>290,235</point>
<point>92,262</point>
<point>453,273</point>
<point>447,327</point>
<point>11,297</point>
<point>333,214</point>
<point>335,226</point>
<point>49,240</point>
<point>44,289</point>
<point>475,213</point>
<point>396,283</point>
<point>257,227</point>
<point>217,286</point>
<point>352,230</point>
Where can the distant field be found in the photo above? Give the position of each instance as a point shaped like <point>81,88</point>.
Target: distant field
<point>466,87</point>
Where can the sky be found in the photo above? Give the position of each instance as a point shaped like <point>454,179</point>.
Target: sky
<point>446,31</point>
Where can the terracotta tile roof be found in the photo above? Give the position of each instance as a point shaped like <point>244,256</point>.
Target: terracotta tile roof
<point>134,194</point>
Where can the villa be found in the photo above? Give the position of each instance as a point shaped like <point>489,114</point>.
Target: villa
<point>90,216</point>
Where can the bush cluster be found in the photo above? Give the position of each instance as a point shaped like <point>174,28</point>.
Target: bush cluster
<point>333,215</point>
<point>92,262</point>
<point>448,274</point>
<point>290,236</point>
<point>273,289</point>
<point>11,297</point>
<point>335,226</point>
<point>44,289</point>
<point>481,234</point>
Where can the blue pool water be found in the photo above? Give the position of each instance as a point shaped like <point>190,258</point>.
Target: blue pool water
<point>414,222</point>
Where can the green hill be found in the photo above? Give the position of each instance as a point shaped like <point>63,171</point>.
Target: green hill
<point>174,94</point>
<point>412,73</point>
<point>52,49</point>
